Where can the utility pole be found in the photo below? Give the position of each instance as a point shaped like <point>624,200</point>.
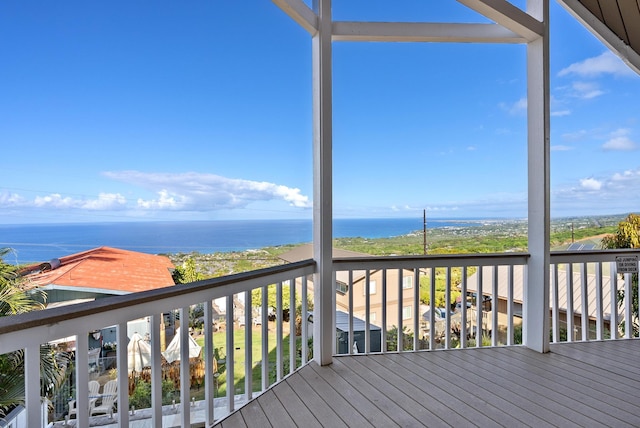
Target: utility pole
<point>424,231</point>
<point>572,236</point>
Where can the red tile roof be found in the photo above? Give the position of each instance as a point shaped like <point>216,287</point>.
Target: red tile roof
<point>106,268</point>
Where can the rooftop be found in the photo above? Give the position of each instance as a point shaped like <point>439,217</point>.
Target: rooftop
<point>106,268</point>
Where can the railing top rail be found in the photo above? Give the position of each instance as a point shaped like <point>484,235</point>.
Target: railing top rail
<point>200,290</point>
<point>586,256</point>
<point>428,261</point>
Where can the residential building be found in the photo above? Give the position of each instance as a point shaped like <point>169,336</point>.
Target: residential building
<point>360,283</point>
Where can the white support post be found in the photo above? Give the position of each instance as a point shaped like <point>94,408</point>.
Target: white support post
<point>324,295</point>
<point>229,343</point>
<point>304,322</point>
<point>185,376</point>
<point>264,364</point>
<point>122,358</point>
<point>156,371</point>
<point>210,377</point>
<point>32,385</point>
<point>248,342</point>
<point>536,298</point>
<point>82,380</point>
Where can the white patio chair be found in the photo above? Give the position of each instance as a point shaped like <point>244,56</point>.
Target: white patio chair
<point>94,388</point>
<point>108,398</point>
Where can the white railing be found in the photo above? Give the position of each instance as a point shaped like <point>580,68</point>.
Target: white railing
<point>378,309</point>
<point>376,299</point>
<point>381,298</point>
<point>28,331</point>
<point>585,287</point>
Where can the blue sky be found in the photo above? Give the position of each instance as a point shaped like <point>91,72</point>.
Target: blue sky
<point>125,111</point>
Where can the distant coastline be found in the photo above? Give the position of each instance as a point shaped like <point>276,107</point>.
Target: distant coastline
<point>42,242</point>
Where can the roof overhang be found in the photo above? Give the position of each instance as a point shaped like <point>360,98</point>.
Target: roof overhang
<point>616,23</point>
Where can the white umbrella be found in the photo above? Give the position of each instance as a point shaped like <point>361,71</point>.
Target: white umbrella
<point>172,353</point>
<point>139,353</point>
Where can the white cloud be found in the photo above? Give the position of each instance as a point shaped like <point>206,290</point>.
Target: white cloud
<point>561,113</point>
<point>516,108</point>
<point>606,63</point>
<point>586,90</point>
<point>627,175</point>
<point>590,184</point>
<point>164,201</point>
<point>560,148</point>
<point>204,192</point>
<point>620,141</point>
<point>430,208</point>
<point>105,201</point>
<point>54,200</point>
<point>190,192</point>
<point>617,192</point>
<point>575,136</point>
<point>11,200</point>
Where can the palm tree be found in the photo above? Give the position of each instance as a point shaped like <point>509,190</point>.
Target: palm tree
<point>17,297</point>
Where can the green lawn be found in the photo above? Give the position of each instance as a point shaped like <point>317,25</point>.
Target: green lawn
<point>219,341</point>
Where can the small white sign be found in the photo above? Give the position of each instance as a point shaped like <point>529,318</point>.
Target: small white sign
<point>627,264</point>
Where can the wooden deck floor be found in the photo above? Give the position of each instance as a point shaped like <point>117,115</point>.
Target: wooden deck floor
<point>578,384</point>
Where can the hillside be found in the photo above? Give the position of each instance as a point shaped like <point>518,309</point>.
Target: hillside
<point>487,237</point>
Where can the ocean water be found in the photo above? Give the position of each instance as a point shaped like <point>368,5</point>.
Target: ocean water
<point>42,242</point>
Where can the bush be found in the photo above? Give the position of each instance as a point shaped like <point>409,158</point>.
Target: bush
<point>141,396</point>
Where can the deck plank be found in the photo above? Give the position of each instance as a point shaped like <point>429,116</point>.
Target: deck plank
<point>342,407</point>
<point>599,355</point>
<point>421,390</point>
<point>444,404</point>
<point>547,408</point>
<point>472,405</point>
<point>350,393</point>
<point>234,420</point>
<point>561,389</point>
<point>613,385</point>
<point>254,417</point>
<point>576,384</point>
<point>322,411</point>
<point>274,410</point>
<point>520,403</point>
<point>294,403</point>
<point>615,407</point>
<point>405,409</point>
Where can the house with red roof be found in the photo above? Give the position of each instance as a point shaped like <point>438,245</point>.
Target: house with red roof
<point>100,272</point>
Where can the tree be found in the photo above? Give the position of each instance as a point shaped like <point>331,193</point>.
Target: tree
<point>627,236</point>
<point>187,273</point>
<point>15,298</point>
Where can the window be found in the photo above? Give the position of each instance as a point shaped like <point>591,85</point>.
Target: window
<point>372,288</point>
<point>407,281</point>
<point>341,287</point>
<point>372,317</point>
<point>406,312</point>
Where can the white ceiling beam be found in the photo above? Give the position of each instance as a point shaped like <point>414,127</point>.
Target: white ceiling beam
<point>422,32</point>
<point>301,13</point>
<point>509,16</point>
<point>603,33</point>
